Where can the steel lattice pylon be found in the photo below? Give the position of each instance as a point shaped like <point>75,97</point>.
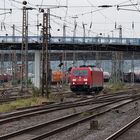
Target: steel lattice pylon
<point>44,83</point>
<point>24,51</point>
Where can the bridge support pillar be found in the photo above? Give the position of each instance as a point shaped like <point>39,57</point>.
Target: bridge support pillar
<point>37,69</point>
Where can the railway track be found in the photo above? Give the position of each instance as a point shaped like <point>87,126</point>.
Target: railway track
<point>55,107</point>
<point>7,97</point>
<point>124,129</point>
<point>14,98</point>
<point>11,94</point>
<point>72,120</point>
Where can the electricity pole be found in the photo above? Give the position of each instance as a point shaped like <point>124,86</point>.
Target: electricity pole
<point>120,33</point>
<point>74,35</point>
<point>132,60</point>
<point>75,26</point>
<point>24,51</point>
<point>13,32</point>
<point>132,69</point>
<point>45,69</point>
<point>84,32</point>
<point>24,48</point>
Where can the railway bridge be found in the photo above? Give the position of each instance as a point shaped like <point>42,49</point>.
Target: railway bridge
<point>70,45</point>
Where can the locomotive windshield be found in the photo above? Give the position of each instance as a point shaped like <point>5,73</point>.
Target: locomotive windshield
<point>80,72</point>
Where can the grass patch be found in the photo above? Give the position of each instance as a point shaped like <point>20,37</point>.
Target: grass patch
<point>55,97</point>
<point>22,103</point>
<point>116,87</point>
<point>86,114</point>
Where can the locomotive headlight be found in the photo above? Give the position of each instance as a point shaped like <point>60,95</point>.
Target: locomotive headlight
<point>85,83</point>
<point>73,80</point>
<point>85,79</point>
<point>73,83</point>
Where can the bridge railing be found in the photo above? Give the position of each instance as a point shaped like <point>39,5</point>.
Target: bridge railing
<point>73,40</point>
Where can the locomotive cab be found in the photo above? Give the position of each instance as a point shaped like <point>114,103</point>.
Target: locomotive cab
<point>80,79</point>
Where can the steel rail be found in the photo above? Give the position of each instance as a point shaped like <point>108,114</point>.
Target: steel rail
<point>103,110</point>
<point>29,109</point>
<point>43,110</point>
<point>123,129</point>
<point>63,128</point>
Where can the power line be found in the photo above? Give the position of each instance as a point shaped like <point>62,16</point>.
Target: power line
<point>135,6</point>
<point>86,13</point>
<point>41,4</point>
<point>123,2</point>
<point>119,7</point>
<point>70,23</point>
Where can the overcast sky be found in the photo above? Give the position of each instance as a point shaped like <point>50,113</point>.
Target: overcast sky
<point>88,12</point>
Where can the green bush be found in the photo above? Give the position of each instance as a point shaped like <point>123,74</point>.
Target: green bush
<point>36,92</point>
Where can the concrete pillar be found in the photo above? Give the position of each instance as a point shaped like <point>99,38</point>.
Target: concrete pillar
<point>37,69</point>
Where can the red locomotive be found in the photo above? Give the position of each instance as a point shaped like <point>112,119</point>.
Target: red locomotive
<point>86,79</point>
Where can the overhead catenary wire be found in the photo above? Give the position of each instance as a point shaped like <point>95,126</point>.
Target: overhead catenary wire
<point>66,10</point>
<point>70,24</point>
<point>72,6</point>
<point>41,4</point>
<point>17,8</point>
<point>18,29</point>
<point>103,9</point>
<point>75,15</point>
<point>4,10</point>
<point>135,6</point>
<point>18,2</point>
<point>120,7</point>
<point>123,2</point>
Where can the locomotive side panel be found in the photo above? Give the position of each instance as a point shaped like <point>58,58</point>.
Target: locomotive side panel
<point>97,79</point>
